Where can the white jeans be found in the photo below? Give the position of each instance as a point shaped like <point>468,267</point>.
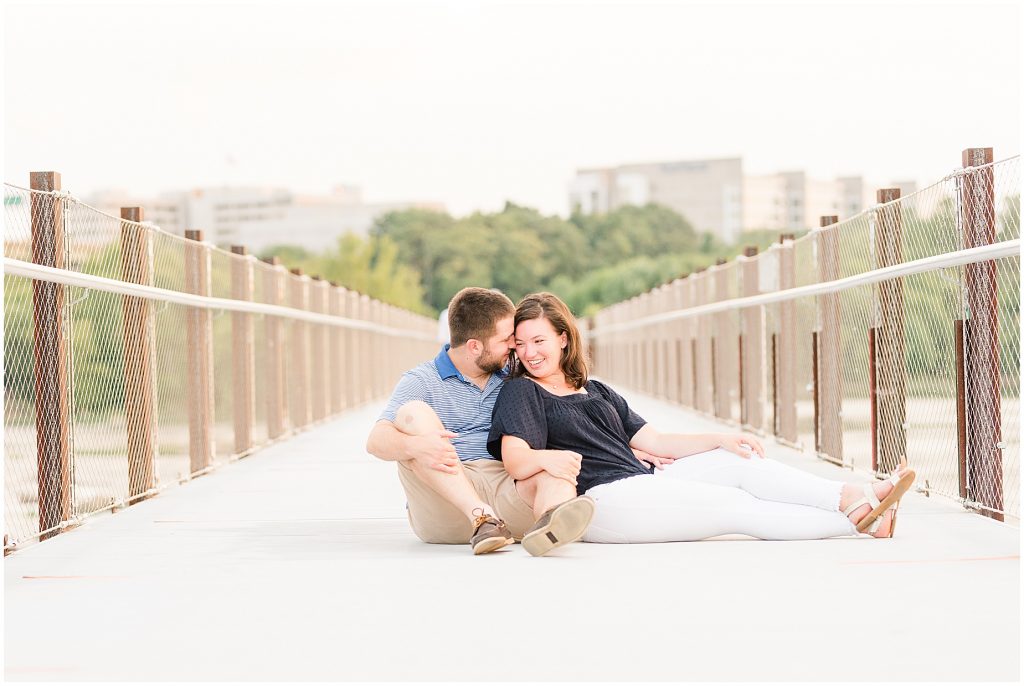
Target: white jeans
<point>716,493</point>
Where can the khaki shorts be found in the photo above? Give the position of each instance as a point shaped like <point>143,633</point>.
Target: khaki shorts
<point>435,520</point>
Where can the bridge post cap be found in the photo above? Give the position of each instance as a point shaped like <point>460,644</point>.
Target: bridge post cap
<point>44,181</point>
<point>132,214</point>
<point>885,195</point>
<point>975,157</point>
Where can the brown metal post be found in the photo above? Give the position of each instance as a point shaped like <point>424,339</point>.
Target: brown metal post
<point>786,357</point>
<point>381,347</point>
<point>318,350</point>
<point>961,407</point>
<point>703,378</point>
<point>274,294</point>
<point>243,351</point>
<point>353,358</point>
<point>138,335</point>
<point>752,347</point>
<point>370,348</point>
<point>817,406</point>
<point>335,358</point>
<point>672,343</point>
<point>199,337</point>
<point>873,395</point>
<point>890,341</point>
<point>685,339</point>
<point>298,298</point>
<point>775,383</point>
<point>724,368</point>
<point>51,363</point>
<point>984,407</point>
<point>662,368</point>
<point>829,387</point>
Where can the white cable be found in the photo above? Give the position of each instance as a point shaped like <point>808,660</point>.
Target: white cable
<point>934,263</point>
<point>68,278</point>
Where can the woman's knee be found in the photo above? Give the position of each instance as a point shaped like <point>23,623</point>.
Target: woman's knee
<point>416,417</point>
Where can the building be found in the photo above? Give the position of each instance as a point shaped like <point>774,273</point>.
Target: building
<point>259,218</point>
<point>707,192</point>
<point>716,197</point>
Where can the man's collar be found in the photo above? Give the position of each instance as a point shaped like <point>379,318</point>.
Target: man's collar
<point>446,368</point>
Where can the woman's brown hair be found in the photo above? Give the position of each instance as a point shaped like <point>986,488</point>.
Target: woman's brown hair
<point>549,306</point>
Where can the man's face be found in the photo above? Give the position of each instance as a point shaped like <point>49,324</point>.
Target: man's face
<point>495,352</point>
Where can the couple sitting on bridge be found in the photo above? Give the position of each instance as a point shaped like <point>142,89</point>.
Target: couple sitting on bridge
<point>493,447</point>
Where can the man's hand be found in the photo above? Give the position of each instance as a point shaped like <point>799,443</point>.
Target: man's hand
<point>652,460</point>
<point>743,445</point>
<point>563,464</point>
<point>434,450</point>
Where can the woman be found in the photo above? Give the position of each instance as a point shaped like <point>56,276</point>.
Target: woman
<point>550,416</point>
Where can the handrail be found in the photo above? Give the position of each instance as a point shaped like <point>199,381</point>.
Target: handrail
<point>66,277</point>
<point>961,257</point>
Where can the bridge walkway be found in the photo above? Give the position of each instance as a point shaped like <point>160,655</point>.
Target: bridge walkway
<point>297,563</point>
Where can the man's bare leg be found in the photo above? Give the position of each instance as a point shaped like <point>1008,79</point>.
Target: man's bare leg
<point>416,418</point>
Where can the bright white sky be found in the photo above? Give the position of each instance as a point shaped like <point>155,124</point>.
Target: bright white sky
<point>470,104</point>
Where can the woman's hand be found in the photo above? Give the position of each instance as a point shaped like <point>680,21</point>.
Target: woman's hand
<point>743,445</point>
<point>652,460</point>
<point>563,464</point>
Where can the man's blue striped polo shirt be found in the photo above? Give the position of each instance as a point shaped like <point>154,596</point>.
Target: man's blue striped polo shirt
<point>462,406</point>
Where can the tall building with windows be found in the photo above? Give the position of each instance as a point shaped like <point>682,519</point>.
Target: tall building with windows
<point>717,198</point>
<point>707,192</point>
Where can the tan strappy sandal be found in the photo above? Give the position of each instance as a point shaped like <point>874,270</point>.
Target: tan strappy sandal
<point>872,521</point>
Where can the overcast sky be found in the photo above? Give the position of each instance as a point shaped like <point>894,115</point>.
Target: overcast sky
<point>470,104</point>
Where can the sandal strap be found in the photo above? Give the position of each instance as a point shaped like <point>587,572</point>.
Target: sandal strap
<point>869,499</point>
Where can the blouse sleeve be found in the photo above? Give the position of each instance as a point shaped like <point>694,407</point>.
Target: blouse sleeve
<point>518,411</point>
<point>631,421</point>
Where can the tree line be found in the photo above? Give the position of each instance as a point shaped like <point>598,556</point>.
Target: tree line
<point>419,259</point>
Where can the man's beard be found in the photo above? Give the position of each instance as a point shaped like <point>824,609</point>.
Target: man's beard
<point>490,364</point>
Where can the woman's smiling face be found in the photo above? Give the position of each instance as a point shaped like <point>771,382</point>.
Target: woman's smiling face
<point>539,347</point>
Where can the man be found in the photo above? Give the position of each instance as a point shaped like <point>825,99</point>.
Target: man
<point>435,427</point>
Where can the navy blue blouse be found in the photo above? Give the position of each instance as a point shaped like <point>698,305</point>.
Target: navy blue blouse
<point>597,424</point>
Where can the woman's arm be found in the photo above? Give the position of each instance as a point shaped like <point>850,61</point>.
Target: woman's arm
<point>652,441</point>
<point>522,461</point>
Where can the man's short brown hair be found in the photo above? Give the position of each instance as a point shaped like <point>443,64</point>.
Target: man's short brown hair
<point>474,313</point>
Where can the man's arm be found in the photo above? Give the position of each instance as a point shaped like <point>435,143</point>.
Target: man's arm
<point>433,449</point>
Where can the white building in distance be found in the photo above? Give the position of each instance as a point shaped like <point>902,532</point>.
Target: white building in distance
<point>258,217</point>
<point>707,192</point>
<point>716,197</point>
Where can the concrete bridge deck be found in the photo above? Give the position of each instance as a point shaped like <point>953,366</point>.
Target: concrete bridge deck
<point>297,564</point>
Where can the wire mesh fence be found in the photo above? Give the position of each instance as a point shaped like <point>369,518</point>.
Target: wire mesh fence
<point>848,353</point>
<point>113,392</point>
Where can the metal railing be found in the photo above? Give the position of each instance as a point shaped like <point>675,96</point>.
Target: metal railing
<point>135,359</point>
<point>893,333</point>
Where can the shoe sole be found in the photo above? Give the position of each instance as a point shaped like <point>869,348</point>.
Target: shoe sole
<point>489,545</point>
<point>568,523</point>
